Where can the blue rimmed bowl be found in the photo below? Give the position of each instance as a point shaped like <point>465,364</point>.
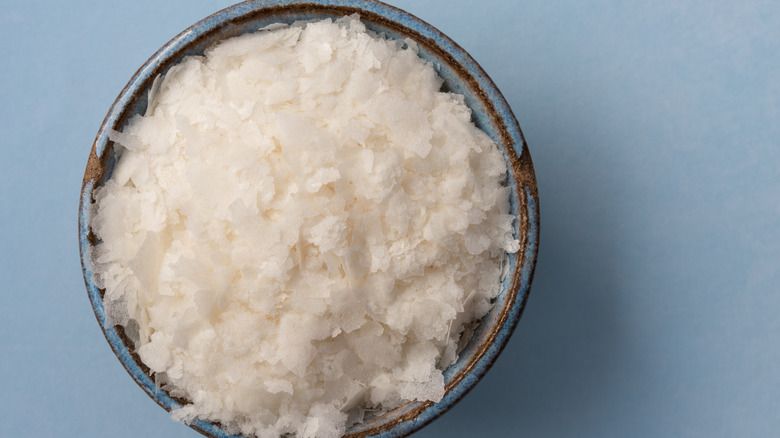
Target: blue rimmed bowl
<point>461,74</point>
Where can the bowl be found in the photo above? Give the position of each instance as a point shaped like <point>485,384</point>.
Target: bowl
<point>461,74</point>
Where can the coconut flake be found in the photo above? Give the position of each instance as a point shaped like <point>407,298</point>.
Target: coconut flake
<point>300,229</point>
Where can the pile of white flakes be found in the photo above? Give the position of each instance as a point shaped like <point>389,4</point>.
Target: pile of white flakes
<point>299,228</point>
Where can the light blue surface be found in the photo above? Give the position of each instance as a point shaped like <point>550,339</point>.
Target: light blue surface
<point>655,132</point>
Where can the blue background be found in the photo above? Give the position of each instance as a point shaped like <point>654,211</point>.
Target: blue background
<point>655,132</point>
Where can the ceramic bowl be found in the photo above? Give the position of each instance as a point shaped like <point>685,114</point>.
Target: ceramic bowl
<point>461,75</point>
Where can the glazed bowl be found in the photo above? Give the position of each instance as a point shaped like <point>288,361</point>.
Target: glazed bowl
<point>461,75</point>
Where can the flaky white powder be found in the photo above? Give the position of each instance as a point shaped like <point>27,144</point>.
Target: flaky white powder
<point>299,228</point>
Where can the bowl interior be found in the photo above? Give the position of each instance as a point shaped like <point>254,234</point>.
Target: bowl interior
<point>461,75</point>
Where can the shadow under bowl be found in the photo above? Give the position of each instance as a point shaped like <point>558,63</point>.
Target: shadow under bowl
<point>461,74</point>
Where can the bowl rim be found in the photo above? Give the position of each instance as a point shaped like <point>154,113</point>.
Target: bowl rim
<point>513,145</point>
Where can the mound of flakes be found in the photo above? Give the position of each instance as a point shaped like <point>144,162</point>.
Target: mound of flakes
<point>299,228</point>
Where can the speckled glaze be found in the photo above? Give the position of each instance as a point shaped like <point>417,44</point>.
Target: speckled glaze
<point>461,74</point>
